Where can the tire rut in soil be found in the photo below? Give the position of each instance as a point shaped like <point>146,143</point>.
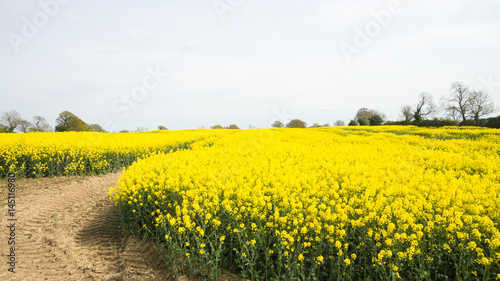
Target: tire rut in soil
<point>40,256</point>
<point>71,231</point>
<point>124,256</point>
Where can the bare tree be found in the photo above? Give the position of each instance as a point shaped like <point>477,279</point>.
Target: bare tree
<point>407,113</point>
<point>317,125</point>
<point>141,129</point>
<point>24,125</point>
<point>424,107</point>
<point>39,124</point>
<point>453,114</point>
<point>458,102</point>
<point>480,105</point>
<point>11,120</point>
<point>339,123</point>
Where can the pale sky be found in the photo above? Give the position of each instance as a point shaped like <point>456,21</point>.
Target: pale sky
<point>190,64</point>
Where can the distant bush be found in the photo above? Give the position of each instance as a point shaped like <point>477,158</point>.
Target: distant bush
<point>436,122</point>
<point>233,127</point>
<point>376,120</point>
<point>493,122</point>
<point>397,123</point>
<point>353,123</point>
<point>296,123</point>
<point>277,124</point>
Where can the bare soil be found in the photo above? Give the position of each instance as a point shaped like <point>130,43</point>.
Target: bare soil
<point>67,229</point>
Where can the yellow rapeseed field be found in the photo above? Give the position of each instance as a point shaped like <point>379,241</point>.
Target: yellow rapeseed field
<point>344,203</point>
<point>88,153</point>
<point>326,204</point>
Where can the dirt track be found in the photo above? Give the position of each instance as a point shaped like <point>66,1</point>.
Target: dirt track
<point>67,229</point>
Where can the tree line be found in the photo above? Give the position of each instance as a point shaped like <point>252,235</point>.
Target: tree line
<point>461,106</point>
<point>12,121</point>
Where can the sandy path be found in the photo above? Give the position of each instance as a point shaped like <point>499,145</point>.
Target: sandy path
<point>67,229</point>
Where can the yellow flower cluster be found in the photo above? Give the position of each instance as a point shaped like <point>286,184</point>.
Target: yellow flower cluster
<point>364,202</point>
<point>88,153</point>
